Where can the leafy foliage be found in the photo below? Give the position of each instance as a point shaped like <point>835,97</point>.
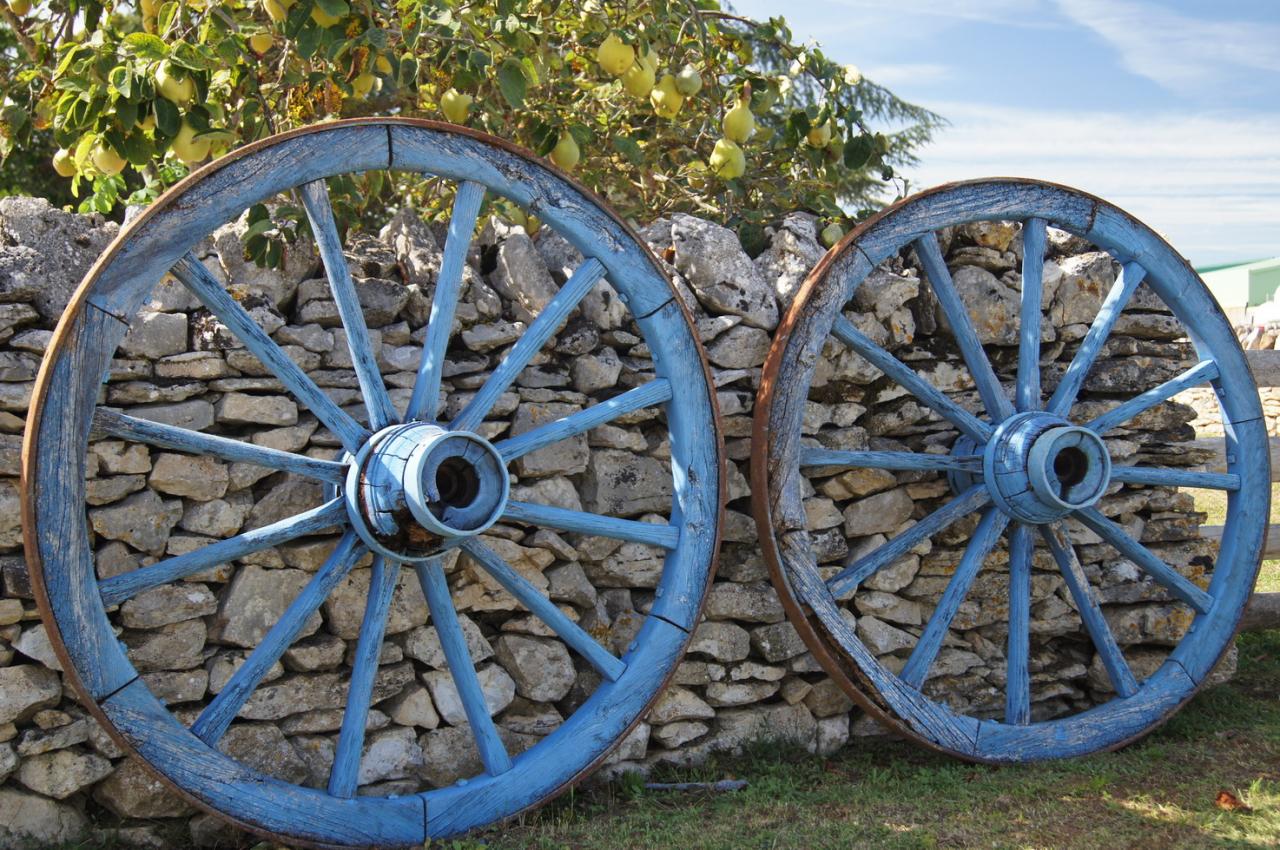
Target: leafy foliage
<point>133,94</point>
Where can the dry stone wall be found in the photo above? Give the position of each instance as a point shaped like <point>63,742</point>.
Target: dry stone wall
<point>747,676</point>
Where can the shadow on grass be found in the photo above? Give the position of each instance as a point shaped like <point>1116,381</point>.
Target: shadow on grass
<point>881,793</point>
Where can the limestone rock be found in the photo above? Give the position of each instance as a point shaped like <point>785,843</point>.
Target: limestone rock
<point>541,667</point>
<point>721,274</point>
<point>25,689</point>
<point>619,483</point>
<point>169,603</point>
<point>142,520</point>
<point>498,687</point>
<point>194,476</point>
<point>62,773</point>
<point>132,792</point>
<point>254,601</point>
<point>28,819</point>
<point>263,747</point>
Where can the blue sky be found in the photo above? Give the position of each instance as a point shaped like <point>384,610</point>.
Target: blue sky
<point>1168,108</point>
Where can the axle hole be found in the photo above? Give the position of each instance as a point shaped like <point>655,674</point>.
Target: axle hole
<point>457,482</point>
<point>1070,466</point>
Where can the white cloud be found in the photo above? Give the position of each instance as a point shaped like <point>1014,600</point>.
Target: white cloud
<point>1211,183</point>
<point>906,74</point>
<point>1180,52</point>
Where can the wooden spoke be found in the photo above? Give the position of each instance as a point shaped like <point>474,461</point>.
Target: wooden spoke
<point>1033,244</point>
<point>344,775</point>
<point>1073,379</point>
<point>117,589</point>
<point>1163,477</point>
<point>195,277</point>
<point>115,424</point>
<point>911,461</point>
<point>545,516</point>
<point>984,538</point>
<point>315,197</point>
<point>454,643</point>
<point>1055,535</point>
<point>1202,372</point>
<point>656,391</point>
<point>222,709</point>
<point>944,288</point>
<point>966,503</point>
<point>426,387</point>
<point>1017,691</point>
<point>924,391</point>
<point>535,336</point>
<point>545,610</point>
<point>1171,579</point>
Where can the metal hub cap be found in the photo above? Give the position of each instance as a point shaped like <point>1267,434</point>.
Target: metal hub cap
<point>415,488</point>
<point>1038,467</point>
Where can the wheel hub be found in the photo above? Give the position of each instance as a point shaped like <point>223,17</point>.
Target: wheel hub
<point>1038,467</point>
<point>415,488</point>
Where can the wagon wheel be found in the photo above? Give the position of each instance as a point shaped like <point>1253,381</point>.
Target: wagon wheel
<point>1031,463</point>
<point>453,482</point>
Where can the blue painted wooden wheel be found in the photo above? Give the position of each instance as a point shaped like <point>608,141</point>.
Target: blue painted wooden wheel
<point>1024,463</point>
<point>453,482</point>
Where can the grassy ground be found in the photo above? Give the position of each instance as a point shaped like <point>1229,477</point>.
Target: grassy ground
<point>1158,793</point>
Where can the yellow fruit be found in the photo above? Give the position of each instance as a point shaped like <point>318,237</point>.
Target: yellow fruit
<point>820,137</point>
<point>276,10</point>
<point>615,56</point>
<point>261,42</point>
<point>106,160</point>
<point>147,122</point>
<point>727,159</point>
<point>20,7</point>
<point>323,18</point>
<point>173,85</point>
<point>566,154</point>
<point>149,8</point>
<point>189,148</point>
<point>689,81</point>
<point>363,84</point>
<point>455,105</point>
<point>382,64</point>
<point>738,122</point>
<point>638,81</point>
<point>831,234</point>
<point>666,97</point>
<point>64,163</point>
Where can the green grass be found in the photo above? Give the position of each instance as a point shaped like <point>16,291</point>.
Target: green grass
<point>1157,793</point>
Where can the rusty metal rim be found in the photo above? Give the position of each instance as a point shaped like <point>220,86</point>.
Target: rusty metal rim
<point>828,653</point>
<point>75,307</point>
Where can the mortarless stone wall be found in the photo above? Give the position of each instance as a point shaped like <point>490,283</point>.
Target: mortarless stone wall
<point>747,675</point>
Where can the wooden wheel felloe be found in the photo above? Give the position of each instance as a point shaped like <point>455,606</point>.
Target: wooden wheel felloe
<point>404,489</point>
<point>1017,452</point>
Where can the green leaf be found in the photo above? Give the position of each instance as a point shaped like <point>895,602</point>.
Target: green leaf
<point>126,113</point>
<point>308,40</point>
<point>627,146</point>
<point>168,121</point>
<point>147,46</point>
<point>544,138</point>
<point>193,58</point>
<point>858,150</point>
<point>512,83</point>
<point>337,8</point>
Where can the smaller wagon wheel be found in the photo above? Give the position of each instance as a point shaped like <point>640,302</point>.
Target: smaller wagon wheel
<point>1032,463</point>
<point>402,489</point>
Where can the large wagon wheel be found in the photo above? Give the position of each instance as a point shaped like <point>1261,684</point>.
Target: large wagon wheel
<point>1019,464</point>
<point>406,489</point>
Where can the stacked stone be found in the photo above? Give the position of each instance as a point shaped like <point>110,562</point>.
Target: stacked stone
<point>747,675</point>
